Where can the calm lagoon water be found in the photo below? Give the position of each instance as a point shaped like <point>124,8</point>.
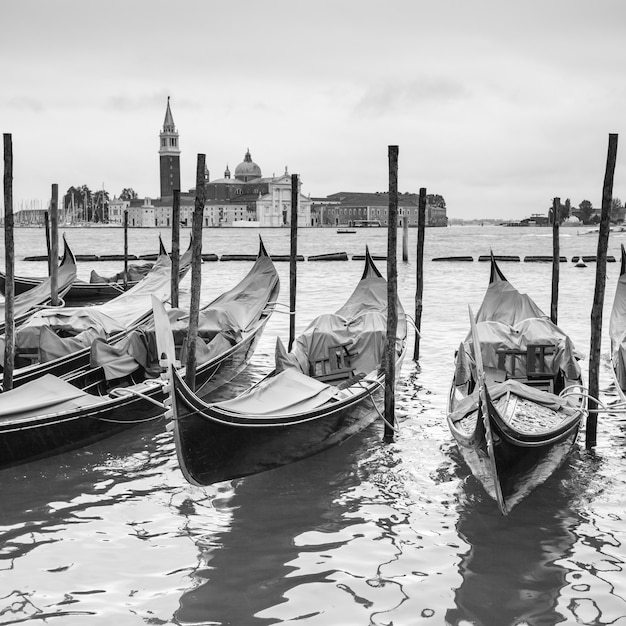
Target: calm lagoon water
<point>365,533</point>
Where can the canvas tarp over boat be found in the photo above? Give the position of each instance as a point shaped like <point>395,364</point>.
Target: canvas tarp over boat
<point>505,303</point>
<point>495,337</point>
<point>359,326</point>
<point>58,332</point>
<point>221,325</point>
<point>617,332</point>
<point>287,393</point>
<point>362,338</point>
<point>47,394</point>
<point>41,294</point>
<point>134,273</point>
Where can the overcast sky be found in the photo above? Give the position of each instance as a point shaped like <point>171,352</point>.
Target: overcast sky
<point>498,106</point>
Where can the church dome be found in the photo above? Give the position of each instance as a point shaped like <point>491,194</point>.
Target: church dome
<point>248,169</point>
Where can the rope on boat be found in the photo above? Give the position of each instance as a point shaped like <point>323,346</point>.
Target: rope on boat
<point>124,391</point>
<point>281,304</point>
<point>382,417</point>
<point>50,306</point>
<point>408,317</point>
<point>581,392</point>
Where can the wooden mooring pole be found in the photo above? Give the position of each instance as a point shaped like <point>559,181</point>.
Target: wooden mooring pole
<point>293,259</point>
<point>598,297</point>
<point>556,260</point>
<point>54,246</point>
<point>46,222</point>
<point>196,273</point>
<point>175,246</point>
<point>9,250</point>
<point>405,239</point>
<point>421,227</point>
<point>125,250</point>
<point>392,297</point>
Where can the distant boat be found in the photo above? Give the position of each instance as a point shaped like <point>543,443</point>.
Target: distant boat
<point>580,263</point>
<point>346,231</point>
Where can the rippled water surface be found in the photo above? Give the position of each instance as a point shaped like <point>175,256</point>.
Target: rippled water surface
<point>365,533</point>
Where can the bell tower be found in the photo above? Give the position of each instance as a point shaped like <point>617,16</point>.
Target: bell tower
<point>169,155</point>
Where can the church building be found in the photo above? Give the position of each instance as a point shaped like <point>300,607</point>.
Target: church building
<point>246,199</point>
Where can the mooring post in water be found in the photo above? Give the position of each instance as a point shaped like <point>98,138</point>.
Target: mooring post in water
<point>46,222</point>
<point>175,246</point>
<point>196,273</point>
<point>9,250</point>
<point>405,238</point>
<point>392,298</point>
<point>421,227</point>
<point>598,297</point>
<point>125,249</point>
<point>556,259</point>
<point>54,246</point>
<point>293,259</point>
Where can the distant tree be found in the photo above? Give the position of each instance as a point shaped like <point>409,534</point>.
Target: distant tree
<point>128,193</point>
<point>566,210</point>
<point>71,203</point>
<point>85,198</point>
<point>101,206</point>
<point>586,211</point>
<point>617,210</point>
<point>434,199</point>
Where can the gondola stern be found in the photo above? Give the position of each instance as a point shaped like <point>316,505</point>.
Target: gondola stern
<point>495,273</point>
<point>370,268</point>
<point>262,249</point>
<point>162,250</point>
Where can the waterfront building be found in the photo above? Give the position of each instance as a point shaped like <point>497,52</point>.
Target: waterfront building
<point>169,155</point>
<point>246,198</point>
<point>371,209</point>
<point>117,206</point>
<point>142,215</point>
<point>267,200</point>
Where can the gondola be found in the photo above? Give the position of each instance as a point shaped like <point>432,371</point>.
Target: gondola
<point>40,296</point>
<point>58,341</point>
<point>122,386</point>
<point>617,331</point>
<point>97,289</point>
<point>326,389</point>
<point>516,400</point>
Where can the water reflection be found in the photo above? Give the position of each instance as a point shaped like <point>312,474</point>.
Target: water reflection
<point>275,545</point>
<point>73,494</point>
<point>514,572</point>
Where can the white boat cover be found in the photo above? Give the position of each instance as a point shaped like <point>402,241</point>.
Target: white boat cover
<point>72,328</point>
<point>505,303</point>
<point>41,294</point>
<point>363,338</point>
<point>221,325</point>
<point>287,393</point>
<point>496,336</point>
<point>45,395</point>
<point>360,325</point>
<point>135,272</point>
<point>617,332</point>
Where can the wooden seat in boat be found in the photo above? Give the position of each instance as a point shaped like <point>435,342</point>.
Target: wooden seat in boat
<point>337,365</point>
<point>536,372</point>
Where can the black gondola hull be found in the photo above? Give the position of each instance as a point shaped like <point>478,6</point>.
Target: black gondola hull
<point>52,434</point>
<point>210,451</point>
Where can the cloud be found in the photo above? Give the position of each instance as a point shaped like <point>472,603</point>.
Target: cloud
<point>25,103</point>
<point>399,97</point>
